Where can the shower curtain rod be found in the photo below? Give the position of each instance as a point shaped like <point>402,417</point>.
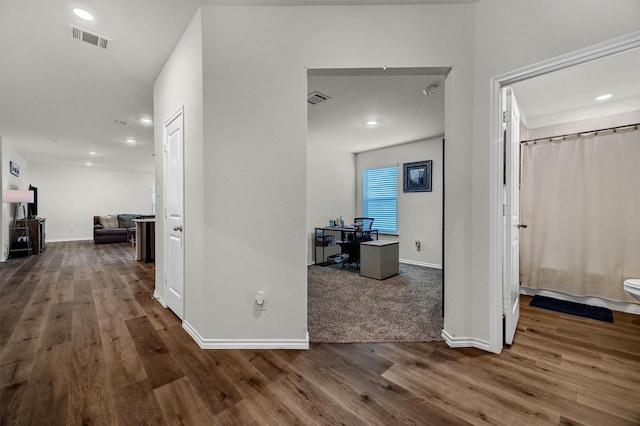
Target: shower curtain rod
<point>590,132</point>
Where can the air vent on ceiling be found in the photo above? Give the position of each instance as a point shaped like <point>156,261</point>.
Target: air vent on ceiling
<point>88,37</point>
<point>314,98</point>
<point>119,122</point>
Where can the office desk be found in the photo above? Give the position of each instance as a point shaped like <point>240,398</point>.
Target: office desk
<point>332,241</point>
<point>146,240</point>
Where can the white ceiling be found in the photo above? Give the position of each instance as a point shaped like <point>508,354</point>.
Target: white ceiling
<point>58,95</point>
<point>569,94</point>
<point>394,98</point>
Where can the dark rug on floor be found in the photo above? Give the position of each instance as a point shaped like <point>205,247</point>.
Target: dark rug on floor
<point>344,307</point>
<point>573,308</point>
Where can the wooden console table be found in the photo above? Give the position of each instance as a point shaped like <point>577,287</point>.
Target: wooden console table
<point>36,233</point>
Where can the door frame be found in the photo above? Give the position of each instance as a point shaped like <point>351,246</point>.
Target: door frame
<point>496,232</point>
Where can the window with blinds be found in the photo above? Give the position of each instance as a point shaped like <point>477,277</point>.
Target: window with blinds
<point>380,197</point>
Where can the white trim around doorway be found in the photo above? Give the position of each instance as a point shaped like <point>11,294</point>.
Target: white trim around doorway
<point>496,237</point>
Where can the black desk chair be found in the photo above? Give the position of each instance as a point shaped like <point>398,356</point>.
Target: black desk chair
<point>367,223</point>
<point>352,245</point>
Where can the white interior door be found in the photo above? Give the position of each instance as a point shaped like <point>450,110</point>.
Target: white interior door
<point>511,274</point>
<point>173,214</point>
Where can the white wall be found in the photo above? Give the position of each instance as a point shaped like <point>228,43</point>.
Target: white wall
<point>419,213</point>
<point>254,84</point>
<point>331,190</point>
<point>10,181</point>
<point>510,35</point>
<point>178,85</point>
<point>569,126</point>
<point>255,119</point>
<point>4,210</point>
<point>69,197</point>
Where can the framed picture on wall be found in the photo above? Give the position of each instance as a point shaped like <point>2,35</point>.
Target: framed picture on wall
<point>14,168</point>
<point>417,176</point>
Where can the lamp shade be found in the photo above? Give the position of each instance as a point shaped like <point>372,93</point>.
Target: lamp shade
<point>18,196</point>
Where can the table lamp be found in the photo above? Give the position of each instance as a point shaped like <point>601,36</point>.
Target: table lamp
<point>18,196</point>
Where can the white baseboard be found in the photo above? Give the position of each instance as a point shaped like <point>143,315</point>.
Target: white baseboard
<point>426,265</point>
<point>66,240</point>
<point>631,308</point>
<point>466,342</point>
<point>409,262</point>
<point>159,299</point>
<point>246,343</point>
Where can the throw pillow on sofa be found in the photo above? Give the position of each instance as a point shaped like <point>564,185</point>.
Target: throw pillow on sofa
<point>108,221</point>
<point>126,220</point>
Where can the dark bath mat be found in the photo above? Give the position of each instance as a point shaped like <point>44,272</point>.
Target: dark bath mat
<point>572,308</point>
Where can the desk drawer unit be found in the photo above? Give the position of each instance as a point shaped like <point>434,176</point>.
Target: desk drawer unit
<point>379,259</point>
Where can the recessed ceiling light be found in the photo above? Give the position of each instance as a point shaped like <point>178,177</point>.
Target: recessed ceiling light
<point>92,153</point>
<point>83,14</point>
<point>88,164</point>
<point>604,97</point>
<point>146,120</point>
<point>130,140</point>
<point>372,123</point>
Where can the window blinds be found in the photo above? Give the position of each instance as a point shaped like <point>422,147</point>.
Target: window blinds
<point>380,197</point>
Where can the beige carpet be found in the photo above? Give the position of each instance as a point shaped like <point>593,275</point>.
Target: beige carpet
<point>344,307</point>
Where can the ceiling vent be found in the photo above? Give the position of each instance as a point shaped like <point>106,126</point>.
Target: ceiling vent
<point>119,122</point>
<point>88,37</point>
<point>314,98</point>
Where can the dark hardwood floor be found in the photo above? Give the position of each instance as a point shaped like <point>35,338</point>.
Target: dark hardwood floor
<point>82,341</point>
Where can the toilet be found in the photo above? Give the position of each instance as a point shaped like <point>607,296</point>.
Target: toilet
<point>632,286</point>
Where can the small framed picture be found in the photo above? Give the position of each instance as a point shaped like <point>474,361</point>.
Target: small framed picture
<point>14,168</point>
<point>417,176</point>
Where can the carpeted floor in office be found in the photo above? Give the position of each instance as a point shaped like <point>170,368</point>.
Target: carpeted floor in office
<point>344,307</point>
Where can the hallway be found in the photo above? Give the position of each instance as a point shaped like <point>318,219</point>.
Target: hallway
<point>83,342</point>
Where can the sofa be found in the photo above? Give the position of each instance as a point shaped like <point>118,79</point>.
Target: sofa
<point>113,228</point>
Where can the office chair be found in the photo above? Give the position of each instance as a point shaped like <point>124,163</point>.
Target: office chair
<point>366,222</point>
<point>352,246</point>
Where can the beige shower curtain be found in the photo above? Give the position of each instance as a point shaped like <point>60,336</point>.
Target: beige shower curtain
<point>580,198</point>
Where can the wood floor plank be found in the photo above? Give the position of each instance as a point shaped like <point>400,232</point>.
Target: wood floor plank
<point>154,354</point>
<point>484,408</point>
<point>181,403</point>
<point>366,357</point>
<point>267,363</point>
<point>201,368</point>
<point>122,362</point>
<point>399,405</point>
<point>365,402</point>
<point>58,325</point>
<point>136,405</point>
<point>19,290</point>
<point>539,397</point>
<point>17,357</point>
<point>89,400</point>
<point>623,406</point>
<point>46,397</point>
<point>311,403</point>
<point>11,399</point>
<point>83,341</point>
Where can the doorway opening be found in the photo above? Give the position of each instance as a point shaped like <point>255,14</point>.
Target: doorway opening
<point>497,233</point>
<point>364,119</point>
